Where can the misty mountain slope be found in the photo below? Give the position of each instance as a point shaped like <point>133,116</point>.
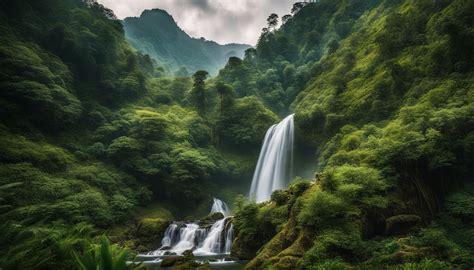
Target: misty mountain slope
<point>156,33</point>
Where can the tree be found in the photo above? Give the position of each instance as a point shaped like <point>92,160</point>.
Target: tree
<point>285,18</point>
<point>250,55</point>
<point>198,92</point>
<point>226,95</point>
<point>272,21</point>
<point>297,7</point>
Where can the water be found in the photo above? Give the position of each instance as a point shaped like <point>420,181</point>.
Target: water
<point>220,206</point>
<point>217,239</point>
<point>229,238</point>
<point>213,242</point>
<point>275,161</point>
<point>216,262</point>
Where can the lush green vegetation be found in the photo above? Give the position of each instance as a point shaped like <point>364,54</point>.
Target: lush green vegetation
<point>91,134</point>
<point>96,139</point>
<point>388,112</point>
<point>156,33</point>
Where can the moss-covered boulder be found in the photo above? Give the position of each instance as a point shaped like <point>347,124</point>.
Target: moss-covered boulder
<point>183,262</point>
<point>170,261</point>
<point>149,232</point>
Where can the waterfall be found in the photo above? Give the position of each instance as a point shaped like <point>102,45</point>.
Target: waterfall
<point>229,238</point>
<point>220,206</point>
<point>212,243</point>
<point>274,164</point>
<point>217,239</point>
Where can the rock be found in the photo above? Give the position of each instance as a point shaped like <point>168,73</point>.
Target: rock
<point>188,254</point>
<point>170,261</point>
<point>149,232</point>
<point>169,253</point>
<point>401,224</point>
<point>165,248</point>
<point>211,219</point>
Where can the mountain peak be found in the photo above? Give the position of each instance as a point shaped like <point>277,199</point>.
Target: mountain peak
<point>156,33</point>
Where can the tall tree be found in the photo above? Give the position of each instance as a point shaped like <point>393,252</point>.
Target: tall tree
<point>198,92</point>
<point>272,21</point>
<point>226,95</point>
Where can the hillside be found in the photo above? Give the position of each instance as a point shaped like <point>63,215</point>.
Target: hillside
<point>386,106</point>
<point>89,139</point>
<point>156,33</point>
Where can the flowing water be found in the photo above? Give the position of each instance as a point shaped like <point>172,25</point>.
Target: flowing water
<point>274,166</point>
<point>181,236</point>
<point>220,206</point>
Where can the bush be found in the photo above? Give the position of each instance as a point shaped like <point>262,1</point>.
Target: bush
<point>323,210</point>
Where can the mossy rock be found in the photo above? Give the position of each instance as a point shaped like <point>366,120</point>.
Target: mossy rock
<point>150,231</point>
<point>170,261</point>
<point>211,219</point>
<point>152,226</point>
<point>401,224</point>
<point>184,262</point>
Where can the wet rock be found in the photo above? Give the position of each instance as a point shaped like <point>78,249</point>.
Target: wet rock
<point>169,253</point>
<point>211,219</point>
<point>165,248</point>
<point>170,261</point>
<point>188,254</point>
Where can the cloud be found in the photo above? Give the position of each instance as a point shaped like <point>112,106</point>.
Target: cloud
<point>224,21</point>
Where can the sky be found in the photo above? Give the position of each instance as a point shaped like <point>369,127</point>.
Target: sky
<point>224,21</point>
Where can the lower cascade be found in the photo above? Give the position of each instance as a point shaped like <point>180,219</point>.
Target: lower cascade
<point>275,161</point>
<point>202,240</point>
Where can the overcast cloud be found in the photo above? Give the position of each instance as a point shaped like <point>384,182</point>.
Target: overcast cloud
<point>223,21</point>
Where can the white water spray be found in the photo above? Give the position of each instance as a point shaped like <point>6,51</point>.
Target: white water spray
<point>275,161</point>
<point>180,237</point>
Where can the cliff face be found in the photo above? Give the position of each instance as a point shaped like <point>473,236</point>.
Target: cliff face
<point>156,33</point>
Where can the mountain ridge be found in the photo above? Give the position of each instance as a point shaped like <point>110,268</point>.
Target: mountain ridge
<point>156,33</point>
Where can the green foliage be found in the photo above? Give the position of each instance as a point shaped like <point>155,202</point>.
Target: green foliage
<point>424,265</point>
<point>198,95</point>
<point>40,246</point>
<point>244,124</point>
<point>103,257</point>
<point>381,89</point>
<point>323,210</point>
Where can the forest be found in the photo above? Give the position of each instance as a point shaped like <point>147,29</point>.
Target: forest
<point>104,146</point>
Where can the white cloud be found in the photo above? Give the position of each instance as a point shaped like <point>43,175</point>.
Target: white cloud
<point>224,21</point>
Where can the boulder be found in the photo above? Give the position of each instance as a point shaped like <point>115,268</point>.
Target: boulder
<point>149,232</point>
<point>170,261</point>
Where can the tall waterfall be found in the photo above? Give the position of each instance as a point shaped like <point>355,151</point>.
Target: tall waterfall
<point>217,239</point>
<point>275,161</point>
